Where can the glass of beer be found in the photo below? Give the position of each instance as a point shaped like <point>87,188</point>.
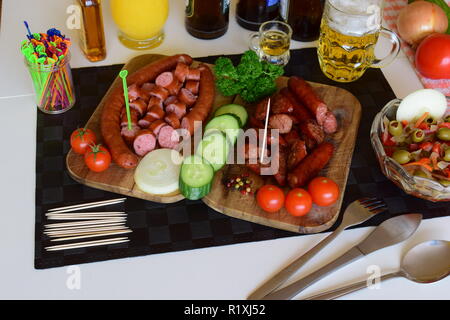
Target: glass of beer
<point>140,22</point>
<point>272,42</point>
<point>348,34</point>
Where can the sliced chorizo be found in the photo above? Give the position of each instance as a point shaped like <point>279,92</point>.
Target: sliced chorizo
<point>192,86</point>
<point>168,137</point>
<point>129,135</point>
<point>181,71</point>
<point>156,112</point>
<point>144,142</point>
<point>164,79</point>
<point>160,92</point>
<point>146,121</point>
<point>156,126</point>
<point>170,100</point>
<point>178,108</point>
<point>134,116</point>
<point>172,120</point>
<point>140,106</point>
<point>281,121</point>
<point>186,97</point>
<point>154,101</point>
<point>174,87</point>
<point>193,74</point>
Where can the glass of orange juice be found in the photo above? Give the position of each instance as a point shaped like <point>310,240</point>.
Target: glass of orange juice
<point>140,22</point>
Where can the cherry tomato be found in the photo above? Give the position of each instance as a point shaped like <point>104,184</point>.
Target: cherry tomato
<point>80,140</point>
<point>97,158</point>
<point>433,56</point>
<point>324,191</point>
<point>298,202</point>
<point>270,198</point>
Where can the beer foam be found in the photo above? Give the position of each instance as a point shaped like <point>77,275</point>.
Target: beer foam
<point>354,17</point>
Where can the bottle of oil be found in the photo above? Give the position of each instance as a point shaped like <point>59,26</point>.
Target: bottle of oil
<point>92,36</point>
<point>251,13</point>
<point>207,19</point>
<point>304,17</point>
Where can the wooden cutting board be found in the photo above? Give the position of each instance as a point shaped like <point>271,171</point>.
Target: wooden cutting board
<point>348,113</point>
<point>118,180</point>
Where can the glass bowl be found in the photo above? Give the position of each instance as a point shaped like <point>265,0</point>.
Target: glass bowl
<point>420,187</point>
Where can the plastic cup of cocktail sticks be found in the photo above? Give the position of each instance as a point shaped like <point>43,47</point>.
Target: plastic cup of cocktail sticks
<point>47,58</point>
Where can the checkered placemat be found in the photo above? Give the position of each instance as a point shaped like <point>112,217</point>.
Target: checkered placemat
<point>186,225</point>
<point>391,11</point>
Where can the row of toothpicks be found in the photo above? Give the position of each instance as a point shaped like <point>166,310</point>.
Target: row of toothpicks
<point>98,228</point>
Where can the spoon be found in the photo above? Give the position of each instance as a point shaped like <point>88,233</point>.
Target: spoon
<point>427,262</point>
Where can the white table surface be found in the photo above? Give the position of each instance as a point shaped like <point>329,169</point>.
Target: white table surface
<point>226,272</point>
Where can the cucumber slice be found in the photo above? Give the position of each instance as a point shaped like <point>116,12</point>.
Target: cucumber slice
<point>195,177</point>
<point>235,109</point>
<point>214,148</point>
<point>226,123</point>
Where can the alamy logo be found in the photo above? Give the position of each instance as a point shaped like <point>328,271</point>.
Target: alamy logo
<point>73,282</point>
<point>74,19</point>
<point>373,281</point>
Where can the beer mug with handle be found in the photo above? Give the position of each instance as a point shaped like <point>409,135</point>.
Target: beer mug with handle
<point>348,34</point>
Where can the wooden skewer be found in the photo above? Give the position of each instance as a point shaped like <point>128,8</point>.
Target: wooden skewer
<point>87,244</point>
<point>263,147</point>
<point>83,223</point>
<point>86,226</point>
<point>64,215</point>
<point>99,213</point>
<point>93,235</point>
<point>87,205</point>
<point>84,218</point>
<point>64,232</point>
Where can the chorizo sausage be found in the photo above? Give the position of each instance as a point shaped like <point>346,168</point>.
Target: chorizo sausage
<point>281,104</point>
<point>281,122</point>
<point>146,121</point>
<point>192,86</point>
<point>205,100</point>
<point>179,108</point>
<point>186,97</point>
<point>300,111</point>
<point>140,106</point>
<point>168,137</point>
<point>172,120</point>
<point>144,142</point>
<point>156,112</point>
<point>110,117</point>
<point>156,126</point>
<point>311,165</point>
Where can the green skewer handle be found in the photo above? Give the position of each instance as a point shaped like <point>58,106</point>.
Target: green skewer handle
<point>123,74</point>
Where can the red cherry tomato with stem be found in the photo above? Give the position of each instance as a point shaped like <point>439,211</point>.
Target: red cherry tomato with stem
<point>80,140</point>
<point>324,191</point>
<point>97,158</point>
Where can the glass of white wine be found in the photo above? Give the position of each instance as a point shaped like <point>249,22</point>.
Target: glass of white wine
<point>272,42</point>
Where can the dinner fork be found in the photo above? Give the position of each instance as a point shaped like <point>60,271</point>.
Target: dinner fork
<point>357,212</point>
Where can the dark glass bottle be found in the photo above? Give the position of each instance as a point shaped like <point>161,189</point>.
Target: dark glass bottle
<point>251,13</point>
<point>304,17</point>
<point>207,19</point>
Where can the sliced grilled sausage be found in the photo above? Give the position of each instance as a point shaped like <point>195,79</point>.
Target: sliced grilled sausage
<point>192,86</point>
<point>144,142</point>
<point>154,101</point>
<point>300,111</point>
<point>193,74</point>
<point>178,107</point>
<point>140,106</point>
<point>170,100</point>
<point>164,79</point>
<point>172,120</point>
<point>129,135</point>
<point>156,112</point>
<point>312,130</point>
<point>261,109</point>
<point>134,116</point>
<point>181,71</point>
<point>146,121</point>
<point>297,153</point>
<point>281,104</point>
<point>134,92</point>
<point>156,126</point>
<point>281,122</point>
<point>174,87</point>
<point>186,97</point>
<point>168,137</point>
<point>160,92</point>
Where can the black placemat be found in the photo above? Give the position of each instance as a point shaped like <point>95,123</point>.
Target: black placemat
<point>186,225</point>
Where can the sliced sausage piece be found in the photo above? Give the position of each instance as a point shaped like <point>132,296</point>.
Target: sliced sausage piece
<point>146,121</point>
<point>281,104</point>
<point>297,153</point>
<point>156,112</point>
<point>147,87</point>
<point>174,87</point>
<point>160,92</point>
<point>134,92</point>
<point>311,165</point>
<point>170,100</point>
<point>134,116</point>
<point>172,120</point>
<point>181,71</point>
<point>154,101</point>
<point>168,137</point>
<point>312,130</point>
<point>193,74</point>
<point>291,137</point>
<point>129,135</point>
<point>281,122</point>
<point>164,79</point>
<point>261,109</point>
<point>179,108</point>
<point>140,106</point>
<point>186,97</point>
<point>156,126</point>
<point>330,123</point>
<point>280,175</point>
<point>192,86</point>
<point>144,142</point>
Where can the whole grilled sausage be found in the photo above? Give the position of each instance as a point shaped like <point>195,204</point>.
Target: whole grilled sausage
<point>310,166</point>
<point>312,130</point>
<point>110,117</point>
<point>205,100</point>
<point>300,111</point>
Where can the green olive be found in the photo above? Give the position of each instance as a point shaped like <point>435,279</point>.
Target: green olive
<point>418,136</point>
<point>401,156</point>
<point>395,128</point>
<point>444,134</point>
<point>444,182</point>
<point>447,154</point>
<point>447,119</point>
<point>430,120</point>
<point>420,173</point>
